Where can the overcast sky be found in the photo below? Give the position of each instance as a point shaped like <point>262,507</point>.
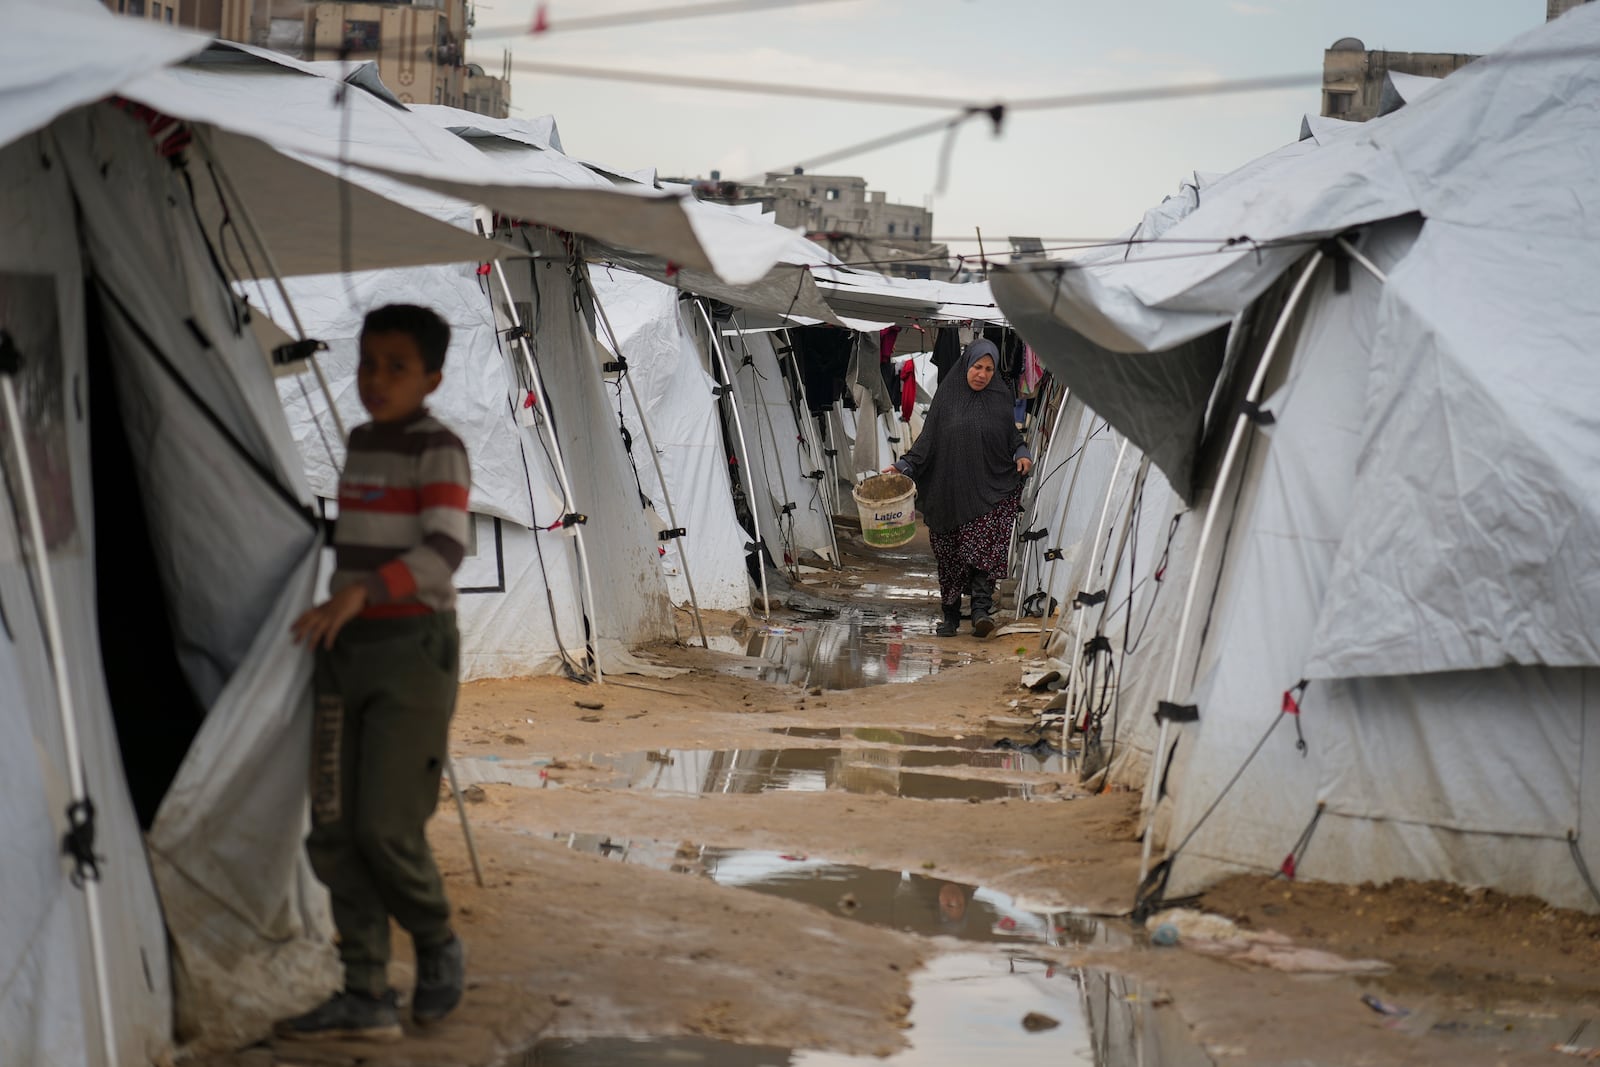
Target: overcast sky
<point>1079,173</point>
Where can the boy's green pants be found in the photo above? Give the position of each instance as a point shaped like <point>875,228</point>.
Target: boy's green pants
<point>384,696</point>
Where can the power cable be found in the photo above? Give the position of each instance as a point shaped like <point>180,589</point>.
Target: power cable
<point>690,81</point>
<point>543,23</point>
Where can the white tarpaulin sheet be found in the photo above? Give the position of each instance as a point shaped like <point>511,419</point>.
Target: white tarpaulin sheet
<point>779,447</point>
<point>678,399</point>
<point>1474,542</point>
<point>58,56</point>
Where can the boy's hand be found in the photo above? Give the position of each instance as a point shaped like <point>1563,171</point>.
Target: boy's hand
<point>323,622</point>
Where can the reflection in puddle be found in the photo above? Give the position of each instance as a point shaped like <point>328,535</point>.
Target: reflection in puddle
<point>856,649</point>
<point>917,773</point>
<point>967,1007</point>
<point>900,900</point>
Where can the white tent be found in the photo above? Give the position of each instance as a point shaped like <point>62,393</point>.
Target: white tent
<point>143,450</point>
<point>1413,528</point>
<point>789,476</point>
<point>679,401</point>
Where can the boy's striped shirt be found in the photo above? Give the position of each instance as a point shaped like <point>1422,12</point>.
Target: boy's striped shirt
<point>403,516</point>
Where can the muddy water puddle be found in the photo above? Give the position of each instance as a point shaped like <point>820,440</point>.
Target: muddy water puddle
<point>911,902</point>
<point>851,651</point>
<point>921,773</point>
<point>967,1007</point>
<point>993,1000</point>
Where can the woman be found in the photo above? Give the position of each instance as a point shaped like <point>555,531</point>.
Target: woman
<point>968,464</point>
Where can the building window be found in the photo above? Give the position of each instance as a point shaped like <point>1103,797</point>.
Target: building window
<point>833,194</point>
<point>155,12</point>
<point>169,14</point>
<point>916,231</point>
<point>134,7</point>
<point>1339,103</point>
<point>891,229</point>
<point>361,35</point>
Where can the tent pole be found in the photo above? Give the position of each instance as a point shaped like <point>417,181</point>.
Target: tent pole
<point>65,708</point>
<point>655,459</point>
<point>203,139</point>
<point>744,447</point>
<point>590,641</point>
<point>1134,498</point>
<point>466,827</point>
<point>1040,449</point>
<point>1094,545</point>
<point>1094,560</point>
<point>1046,626</point>
<point>816,455</point>
<point>1241,424</point>
<point>772,435</point>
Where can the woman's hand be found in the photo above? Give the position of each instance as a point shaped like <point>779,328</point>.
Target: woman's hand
<point>1024,465</point>
<point>323,622</point>
<point>890,469</point>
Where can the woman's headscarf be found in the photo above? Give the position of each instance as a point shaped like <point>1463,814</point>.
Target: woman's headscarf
<point>965,460</point>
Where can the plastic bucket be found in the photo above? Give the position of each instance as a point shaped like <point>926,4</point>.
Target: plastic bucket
<point>887,523</point>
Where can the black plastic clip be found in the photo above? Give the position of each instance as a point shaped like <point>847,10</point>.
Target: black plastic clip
<point>1089,600</point>
<point>573,518</point>
<point>78,842</point>
<point>721,391</point>
<point>892,440</point>
<point>1034,535</point>
<point>830,451</point>
<point>787,508</point>
<point>297,351</point>
<point>817,476</point>
<point>517,332</point>
<point>668,535</point>
<point>616,366</point>
<point>1051,554</point>
<point>1256,413</point>
<point>1170,712</point>
<point>1097,643</point>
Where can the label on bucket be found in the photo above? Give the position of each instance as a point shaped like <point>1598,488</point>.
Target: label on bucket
<point>889,536</point>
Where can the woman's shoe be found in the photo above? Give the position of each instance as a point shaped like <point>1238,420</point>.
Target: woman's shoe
<point>951,624</point>
<point>982,624</point>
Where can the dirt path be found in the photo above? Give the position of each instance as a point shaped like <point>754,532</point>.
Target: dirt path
<point>735,866</point>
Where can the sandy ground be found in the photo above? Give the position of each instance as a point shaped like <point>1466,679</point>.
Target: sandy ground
<point>570,942</point>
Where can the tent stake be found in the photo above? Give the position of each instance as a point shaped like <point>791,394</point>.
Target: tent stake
<point>744,447</point>
<point>655,460</point>
<point>466,827</point>
<point>65,707</point>
<point>1241,424</point>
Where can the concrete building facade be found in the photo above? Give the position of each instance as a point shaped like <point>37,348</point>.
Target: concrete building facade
<point>1353,76</point>
<point>839,212</point>
<point>418,45</point>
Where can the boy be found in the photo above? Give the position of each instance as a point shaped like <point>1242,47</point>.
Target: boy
<point>386,671</point>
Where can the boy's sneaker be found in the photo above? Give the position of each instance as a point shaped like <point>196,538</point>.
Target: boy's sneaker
<point>346,1016</point>
<point>441,973</point>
